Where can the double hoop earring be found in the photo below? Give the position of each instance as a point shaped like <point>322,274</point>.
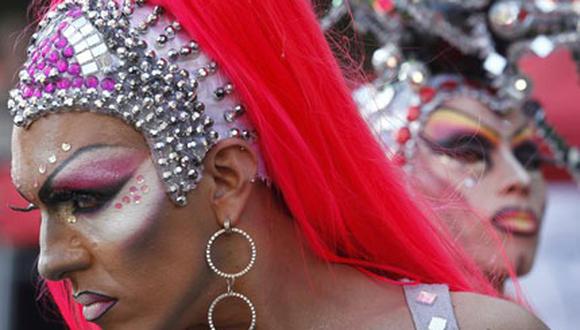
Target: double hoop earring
<point>230,277</point>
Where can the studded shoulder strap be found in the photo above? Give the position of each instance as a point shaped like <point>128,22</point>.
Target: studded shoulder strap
<point>430,306</point>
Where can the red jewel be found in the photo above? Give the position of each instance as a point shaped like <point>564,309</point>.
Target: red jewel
<point>427,94</point>
<point>522,15</point>
<point>413,113</point>
<point>449,85</point>
<point>403,135</point>
<point>384,5</point>
<point>399,159</point>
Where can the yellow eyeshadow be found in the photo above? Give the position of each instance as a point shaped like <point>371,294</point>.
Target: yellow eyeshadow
<point>443,121</point>
<point>527,133</point>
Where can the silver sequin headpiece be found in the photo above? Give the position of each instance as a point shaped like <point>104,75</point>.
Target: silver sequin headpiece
<point>130,60</point>
<point>496,33</point>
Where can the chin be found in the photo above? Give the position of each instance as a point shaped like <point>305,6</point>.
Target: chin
<point>523,265</point>
<point>523,261</point>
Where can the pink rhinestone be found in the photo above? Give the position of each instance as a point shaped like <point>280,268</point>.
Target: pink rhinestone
<point>68,52</point>
<point>92,82</point>
<point>119,206</point>
<point>75,13</point>
<point>74,69</point>
<point>126,199</point>
<point>137,199</point>
<point>54,37</point>
<point>108,84</point>
<point>77,82</point>
<point>47,69</point>
<point>63,83</point>
<point>41,65</point>
<point>53,56</point>
<point>145,189</point>
<point>27,92</point>
<point>62,26</point>
<point>31,71</point>
<point>133,190</point>
<point>37,92</point>
<point>140,179</point>
<point>62,66</point>
<point>61,42</point>
<point>45,50</point>
<point>426,298</point>
<point>49,88</point>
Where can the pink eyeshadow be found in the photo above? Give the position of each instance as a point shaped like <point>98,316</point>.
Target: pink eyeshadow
<point>98,171</point>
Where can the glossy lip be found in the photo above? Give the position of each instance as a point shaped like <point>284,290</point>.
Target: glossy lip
<point>91,301</point>
<point>517,221</point>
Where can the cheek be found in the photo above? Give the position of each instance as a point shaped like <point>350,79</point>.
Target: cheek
<point>538,192</point>
<point>133,215</point>
<point>441,176</point>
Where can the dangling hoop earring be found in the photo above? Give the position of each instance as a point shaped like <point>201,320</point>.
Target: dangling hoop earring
<point>230,277</point>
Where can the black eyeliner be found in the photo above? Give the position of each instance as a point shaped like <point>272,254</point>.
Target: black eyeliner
<point>31,207</point>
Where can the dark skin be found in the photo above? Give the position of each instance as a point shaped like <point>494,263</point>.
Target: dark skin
<point>150,256</point>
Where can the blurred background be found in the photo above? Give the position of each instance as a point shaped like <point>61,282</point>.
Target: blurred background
<point>552,287</point>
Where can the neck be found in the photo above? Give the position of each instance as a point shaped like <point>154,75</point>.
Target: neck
<point>292,288</point>
<point>498,281</point>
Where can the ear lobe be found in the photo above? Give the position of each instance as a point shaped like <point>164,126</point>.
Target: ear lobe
<point>232,164</point>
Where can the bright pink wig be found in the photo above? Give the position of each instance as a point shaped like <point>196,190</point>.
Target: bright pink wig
<point>344,196</point>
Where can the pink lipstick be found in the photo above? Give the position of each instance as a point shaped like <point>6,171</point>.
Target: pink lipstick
<point>95,305</point>
<point>517,221</point>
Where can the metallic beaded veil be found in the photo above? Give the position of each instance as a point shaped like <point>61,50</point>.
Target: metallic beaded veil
<point>131,61</point>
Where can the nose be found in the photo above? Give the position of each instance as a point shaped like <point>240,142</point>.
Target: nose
<point>515,178</point>
<point>61,251</point>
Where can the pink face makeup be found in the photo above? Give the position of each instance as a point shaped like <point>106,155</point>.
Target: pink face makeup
<point>135,191</point>
<point>96,170</point>
<point>133,213</point>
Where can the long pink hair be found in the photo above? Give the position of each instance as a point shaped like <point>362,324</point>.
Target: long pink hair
<point>345,197</point>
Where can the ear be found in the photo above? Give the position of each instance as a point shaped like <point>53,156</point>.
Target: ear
<point>232,165</point>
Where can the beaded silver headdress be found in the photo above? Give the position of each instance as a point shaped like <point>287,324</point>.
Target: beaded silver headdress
<point>495,34</point>
<point>130,60</point>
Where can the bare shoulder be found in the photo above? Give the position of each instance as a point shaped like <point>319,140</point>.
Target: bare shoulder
<point>474,311</point>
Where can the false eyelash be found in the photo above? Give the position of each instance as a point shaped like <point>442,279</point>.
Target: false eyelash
<point>31,207</point>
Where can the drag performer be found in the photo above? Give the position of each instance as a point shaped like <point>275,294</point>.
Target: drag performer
<point>448,100</point>
<point>201,164</point>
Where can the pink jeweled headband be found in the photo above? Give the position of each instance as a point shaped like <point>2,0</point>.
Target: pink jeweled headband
<point>130,61</point>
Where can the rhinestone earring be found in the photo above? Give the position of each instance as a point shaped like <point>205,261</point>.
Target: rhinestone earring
<point>230,277</point>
